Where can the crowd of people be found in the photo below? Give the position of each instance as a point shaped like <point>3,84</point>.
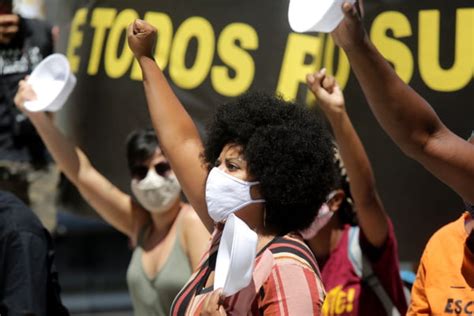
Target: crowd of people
<point>324,244</point>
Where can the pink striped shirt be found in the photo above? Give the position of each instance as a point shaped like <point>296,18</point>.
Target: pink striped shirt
<point>286,281</point>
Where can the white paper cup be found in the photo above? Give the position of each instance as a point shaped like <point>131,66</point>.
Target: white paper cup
<point>315,15</point>
<point>235,257</point>
<point>53,82</point>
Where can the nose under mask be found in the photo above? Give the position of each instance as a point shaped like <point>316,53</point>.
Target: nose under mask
<point>156,193</point>
<point>226,194</point>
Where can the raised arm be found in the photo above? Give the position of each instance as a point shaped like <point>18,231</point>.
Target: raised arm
<point>403,114</point>
<point>178,136</point>
<point>370,213</point>
<point>114,206</point>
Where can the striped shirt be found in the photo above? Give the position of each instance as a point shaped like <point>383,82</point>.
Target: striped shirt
<point>286,281</point>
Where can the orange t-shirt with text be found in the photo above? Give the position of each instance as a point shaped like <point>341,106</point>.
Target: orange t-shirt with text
<point>445,280</point>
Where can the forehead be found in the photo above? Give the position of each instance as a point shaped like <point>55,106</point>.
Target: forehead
<point>232,150</point>
<point>156,158</point>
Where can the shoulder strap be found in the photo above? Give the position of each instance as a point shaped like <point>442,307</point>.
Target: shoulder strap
<point>354,253</point>
<point>295,247</point>
<point>363,269</point>
<point>142,233</point>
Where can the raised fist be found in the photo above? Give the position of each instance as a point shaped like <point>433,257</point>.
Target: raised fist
<point>141,38</point>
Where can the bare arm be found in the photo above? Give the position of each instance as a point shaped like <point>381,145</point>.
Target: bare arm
<point>405,115</point>
<point>177,134</point>
<point>195,236</point>
<point>116,207</point>
<point>370,212</point>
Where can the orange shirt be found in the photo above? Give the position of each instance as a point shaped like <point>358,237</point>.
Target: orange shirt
<point>445,280</point>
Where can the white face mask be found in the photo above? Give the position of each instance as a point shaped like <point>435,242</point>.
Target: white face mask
<point>323,217</point>
<point>156,193</point>
<point>226,194</point>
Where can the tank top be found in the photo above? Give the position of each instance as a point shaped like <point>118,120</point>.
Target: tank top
<point>153,297</point>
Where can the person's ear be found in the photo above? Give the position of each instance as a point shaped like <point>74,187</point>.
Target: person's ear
<point>336,200</point>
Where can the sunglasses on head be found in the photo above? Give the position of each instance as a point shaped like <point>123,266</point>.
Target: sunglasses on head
<point>140,171</point>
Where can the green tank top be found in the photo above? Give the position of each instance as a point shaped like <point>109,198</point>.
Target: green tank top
<point>153,297</point>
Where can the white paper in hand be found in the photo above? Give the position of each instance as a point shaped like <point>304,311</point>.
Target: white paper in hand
<point>315,15</point>
<point>235,256</point>
<point>53,82</point>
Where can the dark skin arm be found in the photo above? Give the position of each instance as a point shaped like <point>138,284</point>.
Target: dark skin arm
<point>178,136</point>
<point>407,118</point>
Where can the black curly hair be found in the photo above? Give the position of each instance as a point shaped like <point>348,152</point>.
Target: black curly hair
<point>346,212</point>
<point>287,149</point>
<point>141,145</point>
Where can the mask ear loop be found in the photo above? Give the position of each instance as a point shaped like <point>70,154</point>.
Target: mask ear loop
<point>330,196</point>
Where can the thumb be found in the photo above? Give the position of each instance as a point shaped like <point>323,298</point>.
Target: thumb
<point>141,27</point>
<point>138,26</point>
<point>336,90</point>
<point>314,81</point>
<point>350,11</point>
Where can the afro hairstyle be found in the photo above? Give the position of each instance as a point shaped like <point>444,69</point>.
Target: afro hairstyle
<point>287,149</point>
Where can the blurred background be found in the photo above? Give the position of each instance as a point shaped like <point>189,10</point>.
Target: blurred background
<point>213,50</point>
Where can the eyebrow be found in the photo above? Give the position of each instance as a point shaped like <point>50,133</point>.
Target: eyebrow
<point>239,159</point>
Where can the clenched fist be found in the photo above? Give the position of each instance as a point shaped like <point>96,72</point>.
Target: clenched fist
<point>141,38</point>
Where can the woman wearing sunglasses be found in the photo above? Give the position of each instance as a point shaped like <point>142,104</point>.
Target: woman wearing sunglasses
<point>168,236</point>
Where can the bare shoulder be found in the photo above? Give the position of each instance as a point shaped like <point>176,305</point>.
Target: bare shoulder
<point>192,227</point>
<point>194,235</point>
<point>189,217</point>
<point>140,218</point>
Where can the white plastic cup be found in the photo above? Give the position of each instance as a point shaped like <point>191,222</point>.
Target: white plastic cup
<point>53,82</point>
<point>315,15</point>
<point>235,257</point>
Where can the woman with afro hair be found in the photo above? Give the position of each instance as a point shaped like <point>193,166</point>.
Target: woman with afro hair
<point>267,163</point>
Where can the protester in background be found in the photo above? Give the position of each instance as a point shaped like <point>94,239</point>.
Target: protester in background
<point>168,236</point>
<point>25,166</point>
<point>265,161</point>
<point>405,115</point>
<point>442,286</point>
<point>28,279</point>
<point>356,247</point>
<point>447,286</point>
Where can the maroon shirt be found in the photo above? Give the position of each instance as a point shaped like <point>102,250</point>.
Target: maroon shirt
<point>346,293</point>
